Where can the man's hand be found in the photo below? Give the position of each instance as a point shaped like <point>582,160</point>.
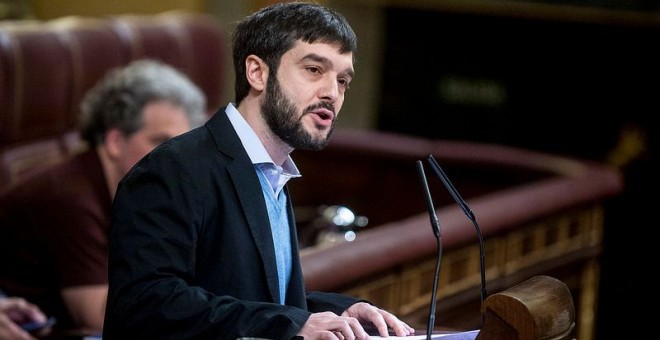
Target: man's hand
<point>330,326</point>
<point>381,319</point>
<point>347,326</point>
<point>15,311</point>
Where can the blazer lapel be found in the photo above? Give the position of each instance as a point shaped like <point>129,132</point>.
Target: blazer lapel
<point>254,210</point>
<point>296,293</point>
<point>248,190</point>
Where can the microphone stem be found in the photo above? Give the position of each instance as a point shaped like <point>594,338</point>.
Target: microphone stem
<point>434,292</point>
<point>435,225</point>
<point>461,202</point>
<point>482,265</point>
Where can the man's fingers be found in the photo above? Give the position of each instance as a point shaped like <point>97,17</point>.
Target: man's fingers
<point>331,326</point>
<point>399,327</point>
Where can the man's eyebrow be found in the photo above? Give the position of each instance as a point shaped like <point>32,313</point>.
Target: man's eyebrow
<point>317,58</point>
<point>323,60</point>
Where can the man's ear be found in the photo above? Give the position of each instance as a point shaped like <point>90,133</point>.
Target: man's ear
<point>256,72</point>
<point>113,142</point>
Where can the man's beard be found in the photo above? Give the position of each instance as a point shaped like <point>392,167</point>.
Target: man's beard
<point>282,118</point>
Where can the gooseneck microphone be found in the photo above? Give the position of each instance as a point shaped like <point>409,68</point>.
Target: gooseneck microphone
<point>436,231</point>
<point>457,197</point>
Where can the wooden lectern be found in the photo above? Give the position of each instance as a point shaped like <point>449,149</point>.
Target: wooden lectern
<point>539,308</point>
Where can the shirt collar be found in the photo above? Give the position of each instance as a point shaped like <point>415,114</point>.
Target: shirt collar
<point>252,144</point>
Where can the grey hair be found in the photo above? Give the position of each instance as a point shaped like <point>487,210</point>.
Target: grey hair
<point>118,99</point>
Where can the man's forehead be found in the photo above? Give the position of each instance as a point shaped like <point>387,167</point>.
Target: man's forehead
<point>331,51</point>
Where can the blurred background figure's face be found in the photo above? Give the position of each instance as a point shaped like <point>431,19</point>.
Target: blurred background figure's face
<point>162,121</point>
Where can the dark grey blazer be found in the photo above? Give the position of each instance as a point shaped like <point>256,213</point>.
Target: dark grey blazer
<point>191,251</point>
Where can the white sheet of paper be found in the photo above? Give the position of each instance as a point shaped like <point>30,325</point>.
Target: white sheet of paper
<point>468,335</point>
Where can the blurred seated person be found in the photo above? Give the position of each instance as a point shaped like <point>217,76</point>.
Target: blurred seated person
<point>16,311</point>
<point>54,222</point>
